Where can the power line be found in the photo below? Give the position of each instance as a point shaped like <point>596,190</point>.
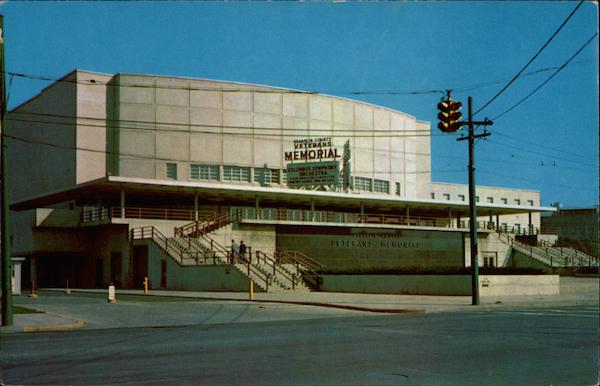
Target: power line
<point>548,79</point>
<point>544,146</point>
<point>531,60</point>
<point>137,156</point>
<point>205,125</point>
<point>515,177</point>
<point>316,132</point>
<point>270,136</point>
<point>224,86</point>
<point>540,153</point>
<point>280,91</point>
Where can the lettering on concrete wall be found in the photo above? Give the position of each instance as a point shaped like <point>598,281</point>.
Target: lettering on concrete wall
<point>311,148</point>
<point>375,239</point>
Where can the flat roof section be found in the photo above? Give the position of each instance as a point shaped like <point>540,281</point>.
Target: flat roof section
<point>225,193</point>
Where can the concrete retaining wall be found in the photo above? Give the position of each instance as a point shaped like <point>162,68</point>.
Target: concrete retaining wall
<point>220,277</point>
<point>489,285</point>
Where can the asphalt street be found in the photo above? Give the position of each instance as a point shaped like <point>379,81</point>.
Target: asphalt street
<point>239,345</point>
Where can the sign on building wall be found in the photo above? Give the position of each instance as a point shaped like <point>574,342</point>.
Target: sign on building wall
<point>356,249</point>
<point>312,149</point>
<point>313,173</point>
<point>315,163</point>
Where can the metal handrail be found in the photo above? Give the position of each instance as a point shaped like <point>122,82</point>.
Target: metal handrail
<point>226,253</point>
<point>150,232</point>
<point>204,225</point>
<point>556,257</point>
<point>276,268</point>
<point>309,268</point>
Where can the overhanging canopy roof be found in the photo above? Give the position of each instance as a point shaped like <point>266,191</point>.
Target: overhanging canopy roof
<point>267,196</point>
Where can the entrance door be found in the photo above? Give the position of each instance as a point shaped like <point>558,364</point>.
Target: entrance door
<point>99,273</point>
<point>140,265</point>
<point>163,274</point>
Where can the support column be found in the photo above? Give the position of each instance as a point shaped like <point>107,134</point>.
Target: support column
<point>458,219</point>
<point>122,203</point>
<point>256,207</point>
<point>312,209</point>
<point>407,213</point>
<point>530,224</point>
<point>195,206</point>
<point>497,221</point>
<point>449,218</point>
<point>362,212</point>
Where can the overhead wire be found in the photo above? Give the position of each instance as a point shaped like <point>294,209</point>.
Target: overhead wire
<point>157,158</point>
<point>257,89</point>
<point>545,146</point>
<point>531,60</point>
<point>547,79</point>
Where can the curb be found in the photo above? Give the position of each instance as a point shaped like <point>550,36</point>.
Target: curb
<point>301,303</point>
<point>59,327</point>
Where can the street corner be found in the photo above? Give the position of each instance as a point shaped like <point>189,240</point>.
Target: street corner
<point>42,323</point>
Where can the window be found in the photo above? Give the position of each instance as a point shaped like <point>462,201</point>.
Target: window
<point>266,176</point>
<point>490,200</point>
<point>446,196</point>
<point>488,261</point>
<point>204,172</point>
<point>518,228</point>
<point>381,186</point>
<point>433,196</point>
<point>517,201</point>
<point>504,200</point>
<point>476,198</point>
<point>361,183</point>
<point>461,197</point>
<point>398,191</point>
<point>530,202</point>
<point>172,171</point>
<point>236,173</point>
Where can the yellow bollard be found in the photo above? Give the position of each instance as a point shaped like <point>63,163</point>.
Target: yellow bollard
<point>146,285</point>
<point>251,289</point>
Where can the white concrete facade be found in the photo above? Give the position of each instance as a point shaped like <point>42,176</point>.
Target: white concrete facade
<point>162,143</point>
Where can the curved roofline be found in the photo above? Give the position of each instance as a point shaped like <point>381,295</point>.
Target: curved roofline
<point>277,88</point>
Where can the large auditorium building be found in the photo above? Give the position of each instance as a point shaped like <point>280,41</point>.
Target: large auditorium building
<point>114,178</point>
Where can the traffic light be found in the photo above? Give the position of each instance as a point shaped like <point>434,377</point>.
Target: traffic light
<point>449,115</point>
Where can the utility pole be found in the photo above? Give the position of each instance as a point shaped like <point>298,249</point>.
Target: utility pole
<point>7,312</point>
<point>449,117</point>
<point>472,202</point>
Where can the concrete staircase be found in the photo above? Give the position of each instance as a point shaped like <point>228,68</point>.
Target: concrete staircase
<point>266,273</point>
<point>549,255</point>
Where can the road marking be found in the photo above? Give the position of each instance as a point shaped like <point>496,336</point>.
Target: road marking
<point>549,313</point>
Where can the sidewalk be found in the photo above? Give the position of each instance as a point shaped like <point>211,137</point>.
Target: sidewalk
<point>574,292</point>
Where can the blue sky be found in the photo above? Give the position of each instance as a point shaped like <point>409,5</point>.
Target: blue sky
<point>548,143</point>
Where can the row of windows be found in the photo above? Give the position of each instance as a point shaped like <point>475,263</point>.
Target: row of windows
<point>374,185</point>
<point>266,176</point>
<point>230,173</point>
<point>489,200</point>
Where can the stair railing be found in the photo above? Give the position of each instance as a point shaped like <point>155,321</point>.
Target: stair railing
<point>204,225</point>
<point>309,268</point>
<point>226,257</point>
<point>276,268</point>
<point>163,242</point>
